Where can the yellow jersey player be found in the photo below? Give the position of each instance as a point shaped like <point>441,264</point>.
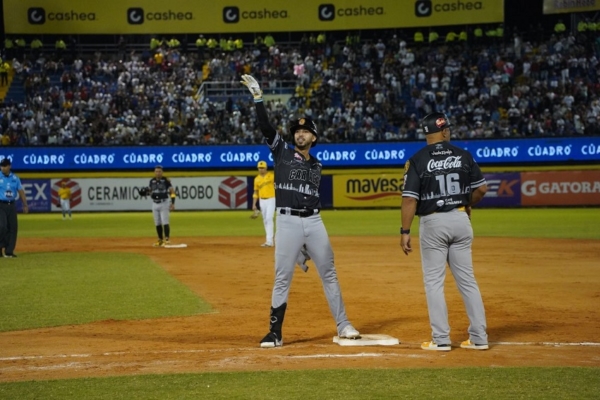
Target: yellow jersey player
<point>64,194</point>
<point>264,194</point>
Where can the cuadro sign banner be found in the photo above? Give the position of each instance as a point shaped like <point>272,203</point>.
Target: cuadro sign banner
<point>392,154</point>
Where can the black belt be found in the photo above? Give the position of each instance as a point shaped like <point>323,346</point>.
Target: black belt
<point>7,202</point>
<point>160,201</point>
<point>299,213</point>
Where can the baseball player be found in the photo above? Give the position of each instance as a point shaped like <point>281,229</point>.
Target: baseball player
<point>161,191</point>
<point>10,188</point>
<point>64,194</point>
<point>299,223</point>
<point>264,193</point>
<point>441,183</point>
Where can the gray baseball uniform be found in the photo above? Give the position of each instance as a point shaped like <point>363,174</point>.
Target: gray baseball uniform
<point>299,224</point>
<point>441,178</point>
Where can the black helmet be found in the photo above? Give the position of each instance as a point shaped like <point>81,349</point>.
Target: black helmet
<point>435,122</point>
<point>305,123</point>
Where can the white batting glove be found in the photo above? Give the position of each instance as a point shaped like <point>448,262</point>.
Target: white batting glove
<point>253,86</point>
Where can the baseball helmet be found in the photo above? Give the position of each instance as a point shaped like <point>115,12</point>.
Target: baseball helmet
<point>305,123</point>
<point>262,164</point>
<point>435,122</point>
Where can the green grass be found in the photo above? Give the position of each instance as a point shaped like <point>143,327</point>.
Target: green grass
<point>52,289</point>
<point>447,383</point>
<point>568,223</point>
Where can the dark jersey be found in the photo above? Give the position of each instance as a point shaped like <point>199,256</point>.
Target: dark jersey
<point>297,180</point>
<point>159,188</point>
<point>441,177</point>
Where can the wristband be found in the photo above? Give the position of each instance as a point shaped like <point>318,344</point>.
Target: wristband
<point>404,231</point>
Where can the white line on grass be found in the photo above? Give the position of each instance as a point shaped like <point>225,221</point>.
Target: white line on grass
<point>121,353</point>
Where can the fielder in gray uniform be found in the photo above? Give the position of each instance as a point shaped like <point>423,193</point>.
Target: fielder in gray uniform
<point>161,191</point>
<point>441,183</point>
<point>299,223</point>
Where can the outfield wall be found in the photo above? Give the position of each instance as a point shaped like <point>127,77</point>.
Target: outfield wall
<point>340,190</point>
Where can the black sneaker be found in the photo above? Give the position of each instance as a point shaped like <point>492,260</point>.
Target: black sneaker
<point>10,256</point>
<point>271,340</point>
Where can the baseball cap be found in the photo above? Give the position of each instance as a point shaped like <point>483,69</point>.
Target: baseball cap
<point>158,166</point>
<point>435,122</point>
<point>5,162</point>
<point>305,123</point>
<point>262,164</point>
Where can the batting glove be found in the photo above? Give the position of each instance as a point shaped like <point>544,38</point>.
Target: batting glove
<point>253,87</point>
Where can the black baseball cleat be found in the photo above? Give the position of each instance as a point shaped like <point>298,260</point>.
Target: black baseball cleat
<point>271,340</point>
<point>10,256</point>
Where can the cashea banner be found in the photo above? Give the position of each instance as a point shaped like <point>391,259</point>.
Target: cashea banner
<point>368,190</point>
<point>227,16</point>
<point>570,6</point>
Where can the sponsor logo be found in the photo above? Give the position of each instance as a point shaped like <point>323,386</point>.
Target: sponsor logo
<point>489,152</point>
<point>138,16</point>
<point>501,188</point>
<point>532,187</point>
<point>39,16</point>
<point>452,162</point>
<point>549,150</point>
<point>328,12</point>
<point>233,192</point>
<point>373,189</point>
<point>425,8</point>
<point>563,4</point>
<point>36,15</point>
<point>441,152</point>
<point>135,16</point>
<point>233,15</point>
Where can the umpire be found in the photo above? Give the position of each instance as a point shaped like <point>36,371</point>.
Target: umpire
<point>441,183</point>
<point>10,185</point>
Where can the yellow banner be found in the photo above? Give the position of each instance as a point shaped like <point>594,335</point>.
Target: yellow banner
<point>227,16</point>
<point>570,6</point>
<point>367,190</point>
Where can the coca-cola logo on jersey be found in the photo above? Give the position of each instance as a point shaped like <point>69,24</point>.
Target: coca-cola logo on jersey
<point>448,163</point>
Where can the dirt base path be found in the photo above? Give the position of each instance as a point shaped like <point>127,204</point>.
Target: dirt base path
<point>542,300</point>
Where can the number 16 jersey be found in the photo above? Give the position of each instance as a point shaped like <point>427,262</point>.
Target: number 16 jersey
<point>441,177</point>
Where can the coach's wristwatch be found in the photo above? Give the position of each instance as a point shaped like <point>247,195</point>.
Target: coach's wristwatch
<point>404,231</point>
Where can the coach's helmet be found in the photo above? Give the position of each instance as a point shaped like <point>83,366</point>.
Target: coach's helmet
<point>435,122</point>
<point>305,123</point>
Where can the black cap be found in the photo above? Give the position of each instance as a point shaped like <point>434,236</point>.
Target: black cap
<point>158,166</point>
<point>435,122</point>
<point>5,162</point>
<point>305,123</point>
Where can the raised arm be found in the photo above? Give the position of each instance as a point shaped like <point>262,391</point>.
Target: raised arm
<point>265,126</point>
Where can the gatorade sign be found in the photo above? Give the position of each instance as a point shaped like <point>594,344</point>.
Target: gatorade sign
<point>226,16</point>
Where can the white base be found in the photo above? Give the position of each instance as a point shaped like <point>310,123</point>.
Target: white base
<point>367,340</point>
<point>175,246</point>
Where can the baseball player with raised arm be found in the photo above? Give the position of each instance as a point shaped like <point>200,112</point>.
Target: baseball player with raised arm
<point>299,223</point>
<point>264,194</point>
<point>441,183</point>
<point>161,191</point>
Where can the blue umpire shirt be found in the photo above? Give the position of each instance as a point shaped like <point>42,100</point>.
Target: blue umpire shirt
<point>9,187</point>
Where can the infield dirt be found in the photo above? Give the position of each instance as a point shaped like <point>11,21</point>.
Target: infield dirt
<point>536,292</point>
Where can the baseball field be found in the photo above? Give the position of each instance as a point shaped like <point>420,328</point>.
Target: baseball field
<point>90,309</point>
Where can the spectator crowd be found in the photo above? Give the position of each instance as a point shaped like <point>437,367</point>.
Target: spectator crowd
<point>356,90</point>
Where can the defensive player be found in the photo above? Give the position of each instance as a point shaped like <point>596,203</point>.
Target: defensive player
<point>161,191</point>
<point>299,223</point>
<point>441,183</point>
<point>10,187</point>
<point>264,194</point>
<point>64,193</point>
